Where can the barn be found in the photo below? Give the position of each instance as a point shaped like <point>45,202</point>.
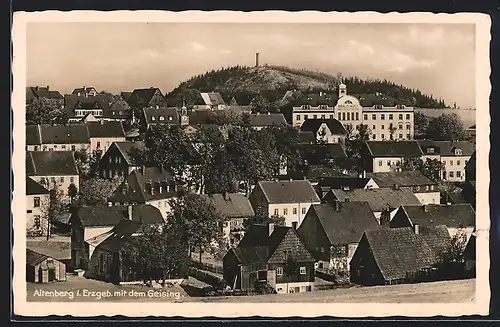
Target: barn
<point>41,268</point>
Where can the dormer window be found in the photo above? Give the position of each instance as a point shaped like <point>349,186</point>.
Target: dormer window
<point>458,152</point>
<point>430,150</point>
<point>162,118</point>
<point>348,102</point>
<point>153,118</point>
<point>170,118</point>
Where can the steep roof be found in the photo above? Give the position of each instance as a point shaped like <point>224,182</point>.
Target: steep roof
<point>309,151</point>
<point>306,137</point>
<point>295,191</point>
<point>212,98</point>
<point>264,120</point>
<point>378,198</point>
<point>454,215</point>
<point>126,147</point>
<point>142,97</point>
<point>341,182</point>
<point>313,125</point>
<point>117,237</point>
<point>33,258</point>
<point>33,136</point>
<point>155,116</point>
<point>400,178</point>
<point>348,224</point>
<point>84,90</point>
<point>125,95</point>
<point>315,99</point>
<point>64,134</point>
<point>49,163</point>
<point>43,92</point>
<point>394,148</point>
<point>447,148</point>
<point>399,251</point>
<point>106,129</point>
<point>34,188</point>
<point>235,205</point>
<point>71,101</point>
<point>136,186</point>
<point>319,172</point>
<point>112,215</point>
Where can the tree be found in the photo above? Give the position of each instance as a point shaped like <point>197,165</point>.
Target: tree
<point>72,192</point>
<point>82,163</point>
<point>45,111</point>
<point>411,164</point>
<point>97,191</point>
<point>197,221</point>
<point>259,104</point>
<point>447,127</point>
<point>421,123</point>
<point>392,130</point>
<point>260,219</point>
<point>432,169</point>
<point>55,207</point>
<point>451,260</point>
<point>156,253</point>
<point>364,132</point>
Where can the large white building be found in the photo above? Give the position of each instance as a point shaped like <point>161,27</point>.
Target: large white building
<point>384,123</point>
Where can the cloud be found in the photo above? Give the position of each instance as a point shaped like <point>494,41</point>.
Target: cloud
<point>432,36</point>
<point>196,46</point>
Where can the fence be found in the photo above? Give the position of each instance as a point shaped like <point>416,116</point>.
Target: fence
<point>341,278</point>
<point>208,267</point>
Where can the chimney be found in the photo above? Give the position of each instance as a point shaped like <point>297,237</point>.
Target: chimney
<point>110,204</point>
<point>337,205</point>
<point>271,228</point>
<point>385,218</point>
<point>424,207</point>
<point>294,225</point>
<point>257,59</point>
<point>143,170</point>
<point>129,211</point>
<point>416,229</point>
<point>85,88</point>
<point>395,186</point>
<point>101,122</point>
<point>48,88</point>
<point>37,88</point>
<point>364,173</point>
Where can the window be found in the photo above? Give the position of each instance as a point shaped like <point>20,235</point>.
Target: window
<point>61,179</point>
<point>276,212</point>
<point>343,116</point>
<point>400,116</point>
<point>71,179</point>
<point>383,126</point>
<point>36,202</point>
<point>63,146</point>
<point>331,116</point>
<point>383,136</point>
<point>365,116</point>
<point>36,221</point>
<point>400,126</point>
<point>55,146</point>
<point>306,117</point>
<point>408,136</point>
<point>315,116</point>
<point>357,116</point>
<point>458,162</point>
<point>408,116</point>
<point>44,148</point>
<point>294,210</point>
<point>323,117</point>
<point>42,180</point>
<point>98,145</point>
<point>458,152</point>
<point>373,127</point>
<point>348,116</point>
<point>390,116</point>
<point>162,118</point>
<point>380,163</point>
<point>388,163</point>
<point>298,117</point>
<point>285,211</point>
<point>153,118</point>
<point>73,148</point>
<point>374,136</point>
<point>110,159</point>
<point>451,162</point>
<point>374,116</point>
<point>407,126</point>
<point>53,179</point>
<point>340,116</point>
<point>459,174</point>
<point>279,271</point>
<point>451,174</point>
<point>444,162</point>
<point>382,116</point>
<point>302,270</point>
<point>36,148</point>
<point>303,211</point>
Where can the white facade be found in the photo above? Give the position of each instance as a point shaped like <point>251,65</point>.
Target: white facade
<point>380,120</point>
<point>163,205</point>
<point>93,231</point>
<point>385,164</point>
<point>293,212</point>
<point>284,288</point>
<point>61,181</point>
<point>36,205</point>
<point>454,167</point>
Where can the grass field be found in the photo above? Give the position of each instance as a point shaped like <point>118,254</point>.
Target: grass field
<point>437,292</point>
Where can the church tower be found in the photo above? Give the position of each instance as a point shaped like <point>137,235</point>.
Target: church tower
<point>184,115</point>
<point>342,89</point>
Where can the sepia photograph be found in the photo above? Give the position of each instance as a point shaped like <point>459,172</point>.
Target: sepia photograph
<point>273,162</point>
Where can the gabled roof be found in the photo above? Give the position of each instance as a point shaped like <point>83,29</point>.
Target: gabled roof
<point>94,216</point>
<point>33,258</point>
<point>447,148</point>
<point>394,148</point>
<point>295,191</point>
<point>136,184</point>
<point>117,237</point>
<point>346,225</point>
<point>315,99</point>
<point>34,188</point>
<point>309,151</point>
<point>161,116</point>
<point>306,137</point>
<point>33,136</point>
<point>125,95</point>
<point>126,147</point>
<point>264,120</point>
<point>235,205</point>
<point>378,198</point>
<point>452,216</point>
<point>106,129</point>
<point>341,182</point>
<point>313,125</point>
<point>400,178</point>
<point>142,97</point>
<point>83,90</point>
<point>398,251</point>
<point>64,134</point>
<point>42,92</point>
<point>319,172</point>
<point>212,99</point>
<point>50,163</point>
<point>72,100</point>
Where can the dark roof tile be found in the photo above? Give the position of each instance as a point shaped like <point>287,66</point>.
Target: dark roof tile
<point>394,148</point>
<point>403,178</point>
<point>235,205</point>
<point>378,198</point>
<point>452,216</point>
<point>106,129</point>
<point>49,163</point>
<point>265,120</point>
<point>34,188</point>
<point>295,191</point>
<point>313,125</point>
<point>112,215</point>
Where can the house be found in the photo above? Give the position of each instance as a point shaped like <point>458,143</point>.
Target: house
<point>387,156</point>
<point>272,255</point>
<point>316,173</point>
<point>387,256</point>
<point>210,100</point>
<point>53,169</point>
<point>331,232</point>
<point>236,208</point>
<point>120,109</point>
<point>455,156</point>
<point>147,185</point>
<point>86,91</point>
<point>321,154</point>
<point>41,268</point>
<point>325,130</point>
<point>160,116</point>
<point>456,217</point>
<point>345,183</point>
<point>260,121</point>
<point>290,199</point>
<point>37,201</point>
<point>118,160</point>
<point>384,202</point>
<point>78,107</point>
<point>102,134</point>
<point>151,97</point>
<point>40,92</point>
<point>90,221</point>
<point>307,137</point>
<point>72,137</point>
<point>430,150</point>
<point>389,122</point>
<point>313,106</point>
<point>125,95</point>
<point>425,189</point>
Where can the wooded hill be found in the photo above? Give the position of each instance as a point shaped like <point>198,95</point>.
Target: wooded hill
<point>241,84</point>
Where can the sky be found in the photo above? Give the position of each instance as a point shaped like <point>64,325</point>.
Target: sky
<point>437,59</point>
